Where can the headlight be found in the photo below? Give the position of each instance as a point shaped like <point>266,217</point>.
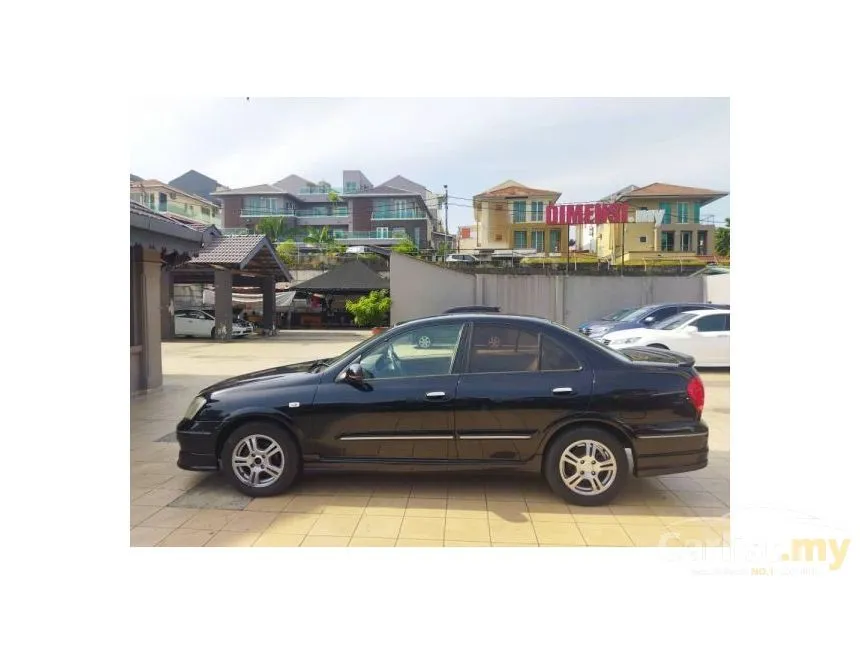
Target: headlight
<point>195,407</point>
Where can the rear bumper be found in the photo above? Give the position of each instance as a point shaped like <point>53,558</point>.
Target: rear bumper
<point>671,452</point>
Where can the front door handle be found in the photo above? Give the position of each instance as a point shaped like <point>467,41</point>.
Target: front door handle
<point>435,395</point>
<point>562,390</point>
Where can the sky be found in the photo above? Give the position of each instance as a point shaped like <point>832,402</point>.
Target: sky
<point>584,148</point>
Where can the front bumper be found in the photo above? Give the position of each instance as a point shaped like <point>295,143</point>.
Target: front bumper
<point>671,452</point>
<point>198,445</point>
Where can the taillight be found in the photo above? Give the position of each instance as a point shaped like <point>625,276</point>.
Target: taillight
<point>696,392</point>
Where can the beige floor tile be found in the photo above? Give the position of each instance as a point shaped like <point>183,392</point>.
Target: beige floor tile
<point>148,535</point>
<point>657,498</point>
<point>270,504</point>
<point>378,526</point>
<point>170,518</point>
<point>293,523</point>
<point>418,543</point>
<point>325,540</point>
<point>542,495</point>
<point>470,492</point>
<point>426,507</point>
<point>693,535</point>
<point>650,536</point>
<point>593,515</point>
<point>423,528</point>
<point>430,491</point>
<point>636,515</point>
<point>672,512</point>
<point>463,543</point>
<point>254,521</point>
<point>390,506</point>
<point>158,497</point>
<point>680,483</point>
<point>187,537</point>
<point>233,538</point>
<point>335,526</point>
<point>511,511</point>
<point>548,511</point>
<point>558,533</point>
<point>278,539</point>
<point>210,519</point>
<point>309,503</point>
<point>393,489</point>
<point>372,541</point>
<point>137,492</point>
<point>604,535</point>
<point>140,513</point>
<point>467,509</point>
<point>504,493</point>
<point>347,505</point>
<point>699,498</point>
<point>466,530</point>
<point>512,532</point>
<point>508,544</point>
<point>182,482</point>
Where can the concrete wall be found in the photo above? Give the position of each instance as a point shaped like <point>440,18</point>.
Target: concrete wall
<point>422,289</point>
<point>717,289</point>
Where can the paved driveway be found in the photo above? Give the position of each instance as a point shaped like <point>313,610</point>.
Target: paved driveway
<point>171,507</point>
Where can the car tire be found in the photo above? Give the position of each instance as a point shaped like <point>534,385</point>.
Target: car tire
<point>244,459</point>
<point>566,468</point>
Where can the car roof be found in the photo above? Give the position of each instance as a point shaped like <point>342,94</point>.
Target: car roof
<point>470,316</point>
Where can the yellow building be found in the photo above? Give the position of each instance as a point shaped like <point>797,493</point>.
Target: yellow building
<point>165,198</point>
<point>664,223</point>
<point>513,216</point>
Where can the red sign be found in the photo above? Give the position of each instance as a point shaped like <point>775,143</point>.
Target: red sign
<point>596,213</point>
<point>465,233</point>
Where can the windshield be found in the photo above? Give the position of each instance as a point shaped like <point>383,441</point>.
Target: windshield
<point>678,320</point>
<point>337,359</point>
<point>636,314</point>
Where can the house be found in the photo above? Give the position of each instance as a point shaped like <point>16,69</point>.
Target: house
<point>196,183</point>
<point>512,216</point>
<point>164,198</point>
<point>665,221</point>
<point>356,212</point>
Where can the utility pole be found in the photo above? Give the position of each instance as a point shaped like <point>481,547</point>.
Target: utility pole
<point>446,209</point>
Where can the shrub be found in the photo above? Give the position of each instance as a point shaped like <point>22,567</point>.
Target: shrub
<point>370,310</point>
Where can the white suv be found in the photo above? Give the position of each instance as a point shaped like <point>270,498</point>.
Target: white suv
<point>461,258</point>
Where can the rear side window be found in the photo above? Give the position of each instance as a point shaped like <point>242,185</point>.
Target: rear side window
<point>502,348</point>
<point>718,322</point>
<point>554,357</point>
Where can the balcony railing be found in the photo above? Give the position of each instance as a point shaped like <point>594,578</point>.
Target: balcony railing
<point>282,212</point>
<point>308,213</point>
<point>368,235</point>
<point>320,190</point>
<point>406,213</point>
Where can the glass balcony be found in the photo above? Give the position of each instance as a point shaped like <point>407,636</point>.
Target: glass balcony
<point>266,212</point>
<point>368,235</point>
<point>406,213</point>
<point>310,213</point>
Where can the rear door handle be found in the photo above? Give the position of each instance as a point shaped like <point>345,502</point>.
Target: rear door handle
<point>435,395</point>
<point>563,390</point>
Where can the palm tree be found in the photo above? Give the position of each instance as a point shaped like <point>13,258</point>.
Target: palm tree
<point>275,228</point>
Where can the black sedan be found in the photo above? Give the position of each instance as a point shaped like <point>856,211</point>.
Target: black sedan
<point>511,392</point>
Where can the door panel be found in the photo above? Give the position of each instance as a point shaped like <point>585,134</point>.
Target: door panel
<point>501,414</point>
<point>182,326</point>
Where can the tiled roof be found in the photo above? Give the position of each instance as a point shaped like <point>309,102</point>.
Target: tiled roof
<point>260,189</point>
<point>350,277</point>
<point>512,188</point>
<point>382,191</point>
<point>671,190</point>
<point>232,249</point>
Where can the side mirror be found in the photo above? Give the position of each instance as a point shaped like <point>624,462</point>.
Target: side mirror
<point>354,374</point>
<point>648,320</point>
<point>693,329</point>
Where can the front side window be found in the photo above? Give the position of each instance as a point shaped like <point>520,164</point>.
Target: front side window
<point>662,314</point>
<point>674,322</point>
<point>428,350</point>
<point>502,348</point>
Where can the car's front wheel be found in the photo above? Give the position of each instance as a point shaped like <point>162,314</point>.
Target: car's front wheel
<point>260,459</point>
<point>586,466</point>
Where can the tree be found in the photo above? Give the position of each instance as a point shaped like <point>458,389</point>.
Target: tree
<point>275,228</point>
<point>721,245</point>
<point>405,246</point>
<point>323,238</point>
<point>370,310</point>
<point>288,252</point>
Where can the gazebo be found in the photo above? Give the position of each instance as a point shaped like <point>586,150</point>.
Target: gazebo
<point>242,261</point>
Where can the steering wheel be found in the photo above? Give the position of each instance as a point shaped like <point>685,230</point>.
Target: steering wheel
<point>394,360</point>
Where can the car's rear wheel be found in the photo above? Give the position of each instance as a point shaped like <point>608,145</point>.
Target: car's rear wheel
<point>424,341</point>
<point>587,466</point>
<point>260,459</point>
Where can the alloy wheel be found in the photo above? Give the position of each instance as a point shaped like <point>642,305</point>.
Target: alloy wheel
<point>588,467</point>
<point>258,461</point>
<point>424,342</point>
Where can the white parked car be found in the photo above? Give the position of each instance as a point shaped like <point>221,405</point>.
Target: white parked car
<point>461,258</point>
<point>196,322</point>
<point>702,334</point>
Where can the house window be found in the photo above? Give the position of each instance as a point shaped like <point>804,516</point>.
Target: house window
<point>537,240</point>
<point>520,239</point>
<point>643,239</point>
<point>537,212</point>
<point>350,187</point>
<point>667,241</point>
<point>696,212</point>
<point>666,207</point>
<point>555,241</point>
<point>683,212</point>
<point>702,243</point>
<point>205,210</point>
<point>519,212</point>
<point>686,240</point>
<point>382,231</point>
